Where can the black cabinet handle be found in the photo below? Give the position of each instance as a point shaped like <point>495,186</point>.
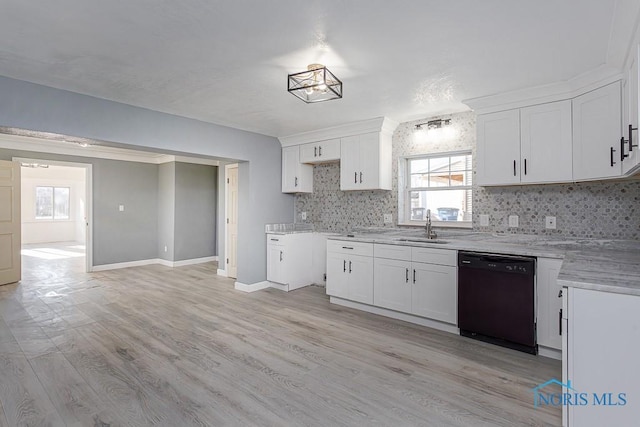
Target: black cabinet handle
<point>525,166</point>
<point>360,177</point>
<point>631,144</point>
<point>344,266</point>
<point>560,293</point>
<point>407,276</point>
<point>280,255</point>
<point>347,247</point>
<point>320,151</point>
<point>612,151</point>
<point>514,168</point>
<point>296,184</point>
<point>622,155</point>
<point>349,266</point>
<point>275,240</point>
<point>560,323</point>
<point>355,177</point>
<point>315,151</point>
<point>414,275</point>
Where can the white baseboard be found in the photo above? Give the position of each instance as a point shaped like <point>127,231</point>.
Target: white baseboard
<point>551,353</point>
<point>164,262</point>
<point>252,287</point>
<point>118,265</point>
<point>222,273</point>
<point>397,315</point>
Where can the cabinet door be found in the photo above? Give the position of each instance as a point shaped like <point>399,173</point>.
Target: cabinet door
<point>329,150</point>
<point>498,148</point>
<point>545,143</point>
<point>337,275</point>
<point>369,153</point>
<point>549,302</point>
<point>296,177</point>
<point>275,264</point>
<point>596,133</point>
<point>309,153</point>
<point>349,163</point>
<point>360,269</point>
<point>630,117</point>
<point>435,292</point>
<point>392,284</point>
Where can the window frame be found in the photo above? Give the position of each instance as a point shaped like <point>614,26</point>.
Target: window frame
<point>53,203</point>
<point>405,189</point>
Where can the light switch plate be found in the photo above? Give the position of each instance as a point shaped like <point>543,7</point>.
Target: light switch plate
<point>513,221</point>
<point>484,220</point>
<point>550,222</point>
<point>388,218</point>
<point>121,208</point>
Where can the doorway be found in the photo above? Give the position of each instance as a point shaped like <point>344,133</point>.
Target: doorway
<point>55,216</point>
<point>231,250</point>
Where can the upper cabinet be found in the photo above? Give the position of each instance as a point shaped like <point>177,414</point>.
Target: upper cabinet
<point>320,152</point>
<point>525,145</point>
<point>630,153</point>
<point>596,133</point>
<point>365,162</point>
<point>363,149</point>
<point>296,177</point>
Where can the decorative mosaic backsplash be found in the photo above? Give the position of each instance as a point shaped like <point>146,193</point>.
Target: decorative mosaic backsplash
<point>604,209</point>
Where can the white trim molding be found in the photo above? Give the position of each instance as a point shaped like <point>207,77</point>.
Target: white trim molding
<point>143,262</point>
<point>253,287</point>
<point>222,273</point>
<point>380,124</point>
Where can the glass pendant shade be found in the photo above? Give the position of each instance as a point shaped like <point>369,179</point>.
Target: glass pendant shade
<point>317,84</point>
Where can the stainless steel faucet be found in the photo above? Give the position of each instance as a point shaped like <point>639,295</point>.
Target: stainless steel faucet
<point>431,234</point>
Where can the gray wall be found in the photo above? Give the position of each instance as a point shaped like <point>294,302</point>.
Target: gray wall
<point>166,210</point>
<point>195,210</point>
<point>30,106</point>
<point>117,236</point>
<point>603,209</point>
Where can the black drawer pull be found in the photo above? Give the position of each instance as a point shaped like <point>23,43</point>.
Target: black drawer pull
<point>347,247</point>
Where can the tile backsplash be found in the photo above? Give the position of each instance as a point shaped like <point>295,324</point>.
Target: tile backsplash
<point>602,209</point>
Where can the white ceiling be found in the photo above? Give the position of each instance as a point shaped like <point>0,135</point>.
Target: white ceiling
<point>227,62</point>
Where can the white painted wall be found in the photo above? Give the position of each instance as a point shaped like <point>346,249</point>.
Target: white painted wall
<point>44,231</point>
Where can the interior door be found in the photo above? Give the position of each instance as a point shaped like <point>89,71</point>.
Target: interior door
<point>10,239</point>
<point>232,222</point>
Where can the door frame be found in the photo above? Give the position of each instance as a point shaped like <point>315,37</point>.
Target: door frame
<point>88,167</point>
<point>226,215</point>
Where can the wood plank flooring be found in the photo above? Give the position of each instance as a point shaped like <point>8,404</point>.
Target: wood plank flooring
<point>180,347</point>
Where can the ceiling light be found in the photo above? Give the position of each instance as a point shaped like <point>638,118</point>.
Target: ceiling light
<point>317,84</point>
<point>33,165</point>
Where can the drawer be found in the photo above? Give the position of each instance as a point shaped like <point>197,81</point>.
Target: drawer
<point>398,252</point>
<point>349,247</point>
<point>434,256</point>
<point>276,239</point>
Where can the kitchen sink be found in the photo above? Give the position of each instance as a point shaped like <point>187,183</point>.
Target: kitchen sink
<point>423,240</point>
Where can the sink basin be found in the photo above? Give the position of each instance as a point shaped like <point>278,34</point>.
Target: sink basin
<point>423,240</point>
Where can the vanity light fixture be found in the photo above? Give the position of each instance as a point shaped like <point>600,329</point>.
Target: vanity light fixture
<point>317,84</point>
<point>433,124</point>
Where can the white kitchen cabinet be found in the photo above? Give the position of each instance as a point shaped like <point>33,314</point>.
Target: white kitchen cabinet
<point>602,347</point>
<point>549,303</point>
<point>630,116</point>
<point>498,148</point>
<point>596,133</point>
<point>392,285</point>
<point>320,152</point>
<point>350,270</point>
<point>296,177</point>
<point>527,145</point>
<point>365,162</point>
<point>289,260</point>
<point>435,286</point>
<point>545,143</point>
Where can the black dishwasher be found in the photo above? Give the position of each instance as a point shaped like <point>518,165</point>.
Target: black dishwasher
<point>496,299</point>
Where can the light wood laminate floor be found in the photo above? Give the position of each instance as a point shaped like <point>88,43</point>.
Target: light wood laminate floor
<point>179,347</point>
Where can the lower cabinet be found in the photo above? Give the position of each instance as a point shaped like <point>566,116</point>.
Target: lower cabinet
<point>350,270</point>
<point>392,284</point>
<point>549,303</point>
<point>435,292</point>
<point>289,260</point>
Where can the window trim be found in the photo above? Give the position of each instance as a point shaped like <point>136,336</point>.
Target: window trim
<point>404,200</point>
<point>53,204</point>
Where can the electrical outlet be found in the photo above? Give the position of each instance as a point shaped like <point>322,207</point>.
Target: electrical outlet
<point>121,208</point>
<point>165,249</point>
<point>513,221</point>
<point>388,219</point>
<point>484,220</point>
<point>550,222</point>
<point>303,216</point>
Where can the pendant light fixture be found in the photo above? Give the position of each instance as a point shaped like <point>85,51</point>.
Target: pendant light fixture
<point>317,84</point>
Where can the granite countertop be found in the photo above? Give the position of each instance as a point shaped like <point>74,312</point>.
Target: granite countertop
<point>598,264</point>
